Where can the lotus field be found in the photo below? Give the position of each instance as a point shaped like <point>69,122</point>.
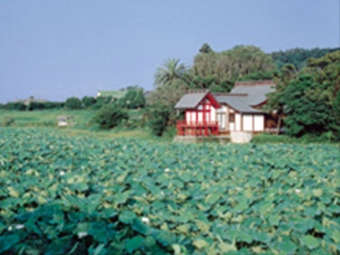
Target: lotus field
<point>78,195</point>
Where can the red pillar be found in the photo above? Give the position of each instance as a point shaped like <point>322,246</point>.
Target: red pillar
<point>205,120</point>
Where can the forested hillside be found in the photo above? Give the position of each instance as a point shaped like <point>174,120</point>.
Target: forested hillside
<point>298,56</point>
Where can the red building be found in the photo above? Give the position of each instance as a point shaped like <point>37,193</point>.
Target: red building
<point>222,113</point>
<point>200,114</point>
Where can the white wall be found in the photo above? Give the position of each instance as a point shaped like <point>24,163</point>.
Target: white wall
<point>193,117</point>
<point>187,116</point>
<point>213,113</point>
<point>258,123</point>
<point>200,117</point>
<point>248,122</point>
<point>238,122</point>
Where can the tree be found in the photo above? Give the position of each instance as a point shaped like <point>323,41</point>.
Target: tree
<point>218,71</point>
<point>275,102</point>
<point>172,82</point>
<point>101,101</point>
<point>205,48</point>
<point>158,116</point>
<point>167,96</point>
<point>17,106</point>
<point>32,106</point>
<point>171,72</point>
<point>326,72</point>
<point>109,116</point>
<point>307,107</point>
<point>88,101</point>
<point>336,109</point>
<point>73,103</point>
<point>309,99</point>
<point>133,99</point>
<point>298,56</point>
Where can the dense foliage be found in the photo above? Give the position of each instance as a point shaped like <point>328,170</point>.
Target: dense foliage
<point>109,116</point>
<point>17,106</point>
<point>298,56</point>
<point>308,99</point>
<point>218,71</point>
<point>32,106</point>
<point>73,103</point>
<point>133,99</point>
<point>158,116</point>
<point>88,101</point>
<point>307,107</point>
<point>70,195</point>
<point>101,101</point>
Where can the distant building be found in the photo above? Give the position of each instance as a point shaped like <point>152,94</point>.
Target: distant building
<point>65,121</point>
<point>112,93</point>
<point>31,100</point>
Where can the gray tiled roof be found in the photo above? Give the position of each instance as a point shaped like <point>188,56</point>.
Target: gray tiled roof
<point>239,103</point>
<point>241,97</point>
<point>190,100</point>
<point>256,93</point>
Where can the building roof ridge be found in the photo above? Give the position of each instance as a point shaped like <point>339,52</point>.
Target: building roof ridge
<point>193,91</point>
<point>254,83</point>
<point>230,94</point>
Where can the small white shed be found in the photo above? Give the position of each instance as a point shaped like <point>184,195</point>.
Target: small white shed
<point>64,121</point>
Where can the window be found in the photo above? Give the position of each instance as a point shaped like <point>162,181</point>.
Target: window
<point>232,117</point>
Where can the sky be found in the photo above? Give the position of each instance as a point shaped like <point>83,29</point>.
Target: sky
<point>60,48</point>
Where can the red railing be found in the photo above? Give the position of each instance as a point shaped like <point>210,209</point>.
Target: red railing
<point>186,128</point>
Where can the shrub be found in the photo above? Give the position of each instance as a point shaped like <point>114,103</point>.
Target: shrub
<point>101,101</point>
<point>32,106</point>
<point>73,103</point>
<point>88,101</point>
<point>109,117</point>
<point>159,118</point>
<point>18,106</point>
<point>54,105</point>
<point>133,99</point>
<point>7,122</point>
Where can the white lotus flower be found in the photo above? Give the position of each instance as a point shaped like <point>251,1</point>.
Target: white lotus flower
<point>10,228</point>
<point>82,234</point>
<point>20,226</point>
<point>166,170</point>
<point>62,173</point>
<point>145,220</point>
<point>297,190</point>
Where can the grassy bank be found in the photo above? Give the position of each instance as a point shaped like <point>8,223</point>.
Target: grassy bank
<point>47,119</point>
<point>270,138</point>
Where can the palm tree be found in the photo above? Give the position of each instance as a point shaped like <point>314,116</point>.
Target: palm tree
<point>172,71</point>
